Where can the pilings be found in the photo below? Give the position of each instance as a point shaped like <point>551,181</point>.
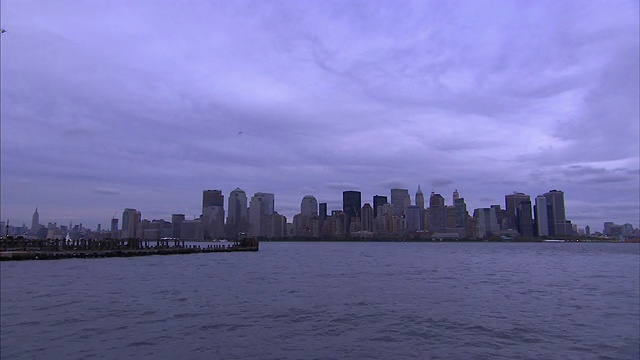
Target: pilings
<point>45,249</point>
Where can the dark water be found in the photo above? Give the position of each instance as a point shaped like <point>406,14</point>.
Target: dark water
<point>330,301</point>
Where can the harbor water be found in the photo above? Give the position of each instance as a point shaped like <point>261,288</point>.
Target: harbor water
<point>330,300</point>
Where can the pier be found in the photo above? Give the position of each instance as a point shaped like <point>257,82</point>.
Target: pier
<point>52,249</point>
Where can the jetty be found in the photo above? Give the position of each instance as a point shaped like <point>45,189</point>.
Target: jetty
<point>19,248</point>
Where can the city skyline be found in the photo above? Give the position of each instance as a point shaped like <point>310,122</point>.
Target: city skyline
<point>145,104</point>
<point>349,206</point>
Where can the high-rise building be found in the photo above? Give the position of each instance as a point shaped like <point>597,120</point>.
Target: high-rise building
<point>351,206</point>
<point>511,202</point>
<point>487,223</point>
<point>525,219</point>
<point>378,201</point>
<point>309,206</point>
<point>130,221</point>
<point>437,213</point>
<point>367,217</point>
<point>400,199</point>
<point>542,216</point>
<point>212,214</point>
<point>461,212</point>
<point>414,218</point>
<point>35,222</point>
<point>558,224</point>
<point>419,198</point>
<point>456,195</point>
<point>322,207</point>
<point>260,214</point>
<point>176,225</point>
<point>237,213</point>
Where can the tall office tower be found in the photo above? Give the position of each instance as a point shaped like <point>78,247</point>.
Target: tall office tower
<point>367,217</point>
<point>414,218</point>
<point>351,206</point>
<point>114,229</point>
<point>419,198</point>
<point>558,224</point>
<point>587,230</point>
<point>237,216</point>
<point>212,214</point>
<point>260,214</point>
<point>309,206</point>
<point>525,218</point>
<point>542,216</point>
<point>378,201</point>
<point>35,222</point>
<point>130,221</point>
<point>456,195</point>
<point>437,213</point>
<point>511,202</point>
<point>400,199</point>
<point>487,224</point>
<point>322,213</point>
<point>176,225</point>
<point>461,212</point>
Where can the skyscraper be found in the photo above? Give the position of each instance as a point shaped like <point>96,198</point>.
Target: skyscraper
<point>351,205</point>
<point>400,199</point>
<point>130,221</point>
<point>437,213</point>
<point>558,224</point>
<point>525,219</point>
<point>35,222</point>
<point>309,206</point>
<point>237,215</point>
<point>378,201</point>
<point>419,198</point>
<point>212,214</point>
<point>367,217</point>
<point>542,216</point>
<point>176,225</point>
<point>260,214</point>
<point>511,202</point>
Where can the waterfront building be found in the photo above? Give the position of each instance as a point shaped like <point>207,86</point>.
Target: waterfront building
<point>525,219</point>
<point>322,213</point>
<point>114,229</point>
<point>176,225</point>
<point>261,209</point>
<point>420,198</point>
<point>191,230</point>
<point>212,214</point>
<point>351,206</point>
<point>130,220</point>
<point>542,216</point>
<point>558,224</point>
<point>378,201</point>
<point>487,223</point>
<point>511,203</point>
<point>237,213</point>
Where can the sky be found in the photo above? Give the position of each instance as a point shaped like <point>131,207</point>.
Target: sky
<point>107,105</point>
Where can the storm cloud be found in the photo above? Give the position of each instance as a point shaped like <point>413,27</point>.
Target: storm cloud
<point>163,99</point>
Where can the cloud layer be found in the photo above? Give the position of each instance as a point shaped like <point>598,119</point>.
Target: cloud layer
<point>144,104</point>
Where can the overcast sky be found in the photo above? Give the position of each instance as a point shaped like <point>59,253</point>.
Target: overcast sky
<point>144,104</point>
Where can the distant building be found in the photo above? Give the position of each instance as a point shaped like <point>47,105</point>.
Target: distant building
<point>512,202</point>
<point>309,206</point>
<point>420,198</point>
<point>487,223</point>
<point>541,216</point>
<point>176,225</point>
<point>400,199</point>
<point>35,222</point>
<point>437,213</point>
<point>130,221</point>
<point>525,219</point>
<point>414,219</point>
<point>261,209</point>
<point>558,224</point>
<point>351,206</point>
<point>115,234</point>
<point>367,217</point>
<point>237,213</point>
<point>212,214</point>
<point>378,201</point>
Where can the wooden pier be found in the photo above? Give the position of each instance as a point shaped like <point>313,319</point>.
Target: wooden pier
<point>50,249</point>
